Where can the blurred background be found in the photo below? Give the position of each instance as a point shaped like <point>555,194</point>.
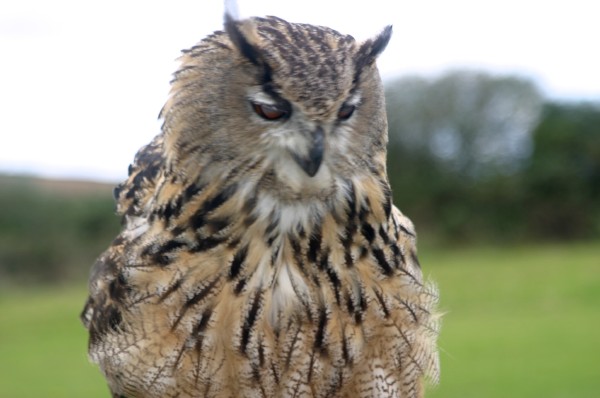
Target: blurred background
<point>494,123</point>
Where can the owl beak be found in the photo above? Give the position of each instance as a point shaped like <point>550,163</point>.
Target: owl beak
<point>311,163</point>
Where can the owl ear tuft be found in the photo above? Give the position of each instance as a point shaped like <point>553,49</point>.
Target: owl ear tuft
<point>243,36</point>
<point>241,42</point>
<point>370,49</point>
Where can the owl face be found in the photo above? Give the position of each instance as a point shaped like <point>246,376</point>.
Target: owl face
<point>304,103</point>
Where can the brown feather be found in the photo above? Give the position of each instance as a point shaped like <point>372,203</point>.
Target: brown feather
<point>236,273</point>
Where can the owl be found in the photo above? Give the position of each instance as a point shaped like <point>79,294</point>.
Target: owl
<point>260,253</point>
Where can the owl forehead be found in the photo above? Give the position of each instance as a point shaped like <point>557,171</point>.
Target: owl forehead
<point>311,65</point>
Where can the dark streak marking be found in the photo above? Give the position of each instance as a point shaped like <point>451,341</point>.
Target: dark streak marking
<point>177,231</point>
<point>387,194</point>
<point>345,352</point>
<point>181,71</point>
<point>250,52</point>
<point>384,236</point>
<point>114,318</point>
<point>217,225</point>
<point>409,308</point>
<point>413,257</point>
<point>256,374</point>
<point>379,296</point>
<point>203,324</point>
<point>348,259</point>
<point>208,243</point>
<point>362,252</point>
<point>399,259</point>
<point>346,241</point>
<point>300,231</point>
<point>349,303</point>
<point>368,232</point>
<point>171,289</point>
<point>297,252</point>
<point>198,219</point>
<point>117,289</point>
<point>196,298</point>
<point>323,263</point>
<point>250,204</point>
<point>405,230</point>
<point>273,223</point>
<point>311,367</point>
<point>382,262</point>
<point>275,255</point>
<point>362,306</point>
<point>249,220</point>
<point>274,372</point>
<point>314,245</point>
<point>239,286</point>
<point>364,212</point>
<point>288,357</point>
<point>233,243</point>
<point>171,209</point>
<point>119,240</point>
<point>238,261</point>
<point>404,338</point>
<point>249,320</point>
<point>416,363</point>
<point>333,278</point>
<point>160,256</point>
<point>178,359</point>
<point>351,210</point>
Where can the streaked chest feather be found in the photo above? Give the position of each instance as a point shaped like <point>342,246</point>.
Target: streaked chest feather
<point>233,282</point>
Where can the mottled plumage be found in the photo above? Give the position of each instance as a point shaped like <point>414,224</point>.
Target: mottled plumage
<point>261,254</point>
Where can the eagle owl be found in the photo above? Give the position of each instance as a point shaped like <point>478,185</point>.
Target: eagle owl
<point>261,254</point>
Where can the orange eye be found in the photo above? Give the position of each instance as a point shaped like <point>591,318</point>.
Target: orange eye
<point>346,111</point>
<point>268,112</point>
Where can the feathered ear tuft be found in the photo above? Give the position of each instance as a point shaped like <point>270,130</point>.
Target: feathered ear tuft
<point>248,50</point>
<point>370,49</point>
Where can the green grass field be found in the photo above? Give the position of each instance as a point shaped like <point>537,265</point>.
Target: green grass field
<point>520,322</point>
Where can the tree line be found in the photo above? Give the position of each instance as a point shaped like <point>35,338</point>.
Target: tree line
<point>478,157</point>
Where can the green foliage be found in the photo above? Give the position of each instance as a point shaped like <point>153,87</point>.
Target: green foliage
<point>52,235</point>
<point>562,181</point>
<point>519,322</point>
<point>500,180</point>
<point>471,123</point>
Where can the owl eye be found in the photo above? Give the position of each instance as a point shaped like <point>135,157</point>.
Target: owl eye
<point>269,112</point>
<point>346,111</point>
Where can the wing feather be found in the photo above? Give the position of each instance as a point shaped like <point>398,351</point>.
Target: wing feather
<point>134,196</point>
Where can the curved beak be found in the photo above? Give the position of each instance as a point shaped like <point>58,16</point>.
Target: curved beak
<point>311,163</point>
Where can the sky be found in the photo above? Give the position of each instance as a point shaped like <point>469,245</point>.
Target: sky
<point>82,82</point>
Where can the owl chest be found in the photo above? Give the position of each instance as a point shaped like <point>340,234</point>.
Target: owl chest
<point>258,319</point>
<point>266,304</point>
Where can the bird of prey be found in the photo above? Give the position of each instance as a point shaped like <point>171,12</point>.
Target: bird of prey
<point>261,254</point>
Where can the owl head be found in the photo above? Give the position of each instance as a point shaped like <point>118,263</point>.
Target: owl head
<point>297,105</point>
